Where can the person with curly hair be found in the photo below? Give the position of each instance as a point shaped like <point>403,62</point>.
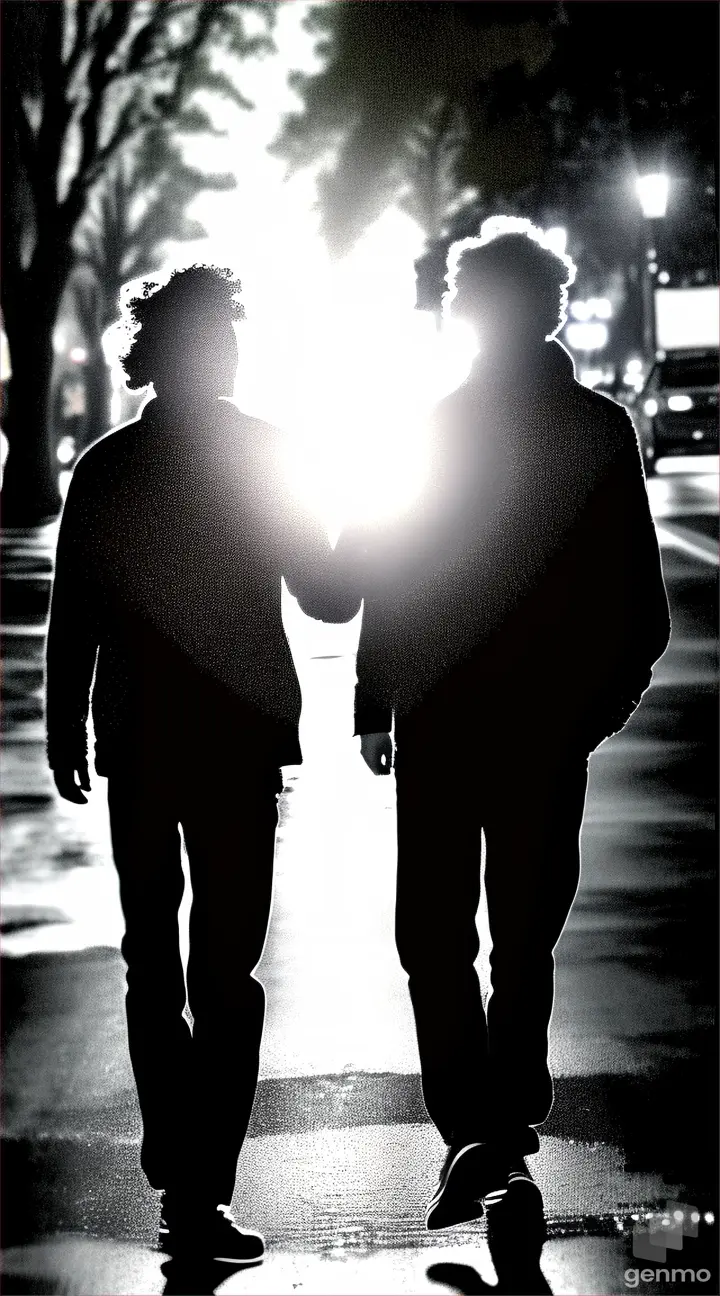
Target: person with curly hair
<point>176,532</point>
<point>511,624</point>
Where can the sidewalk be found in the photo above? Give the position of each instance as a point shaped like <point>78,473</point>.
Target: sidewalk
<point>341,1159</point>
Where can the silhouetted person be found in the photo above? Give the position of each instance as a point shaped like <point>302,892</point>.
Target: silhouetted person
<point>175,535</point>
<point>511,623</point>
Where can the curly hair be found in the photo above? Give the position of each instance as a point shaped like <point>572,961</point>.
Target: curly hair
<point>511,253</point>
<point>187,315</point>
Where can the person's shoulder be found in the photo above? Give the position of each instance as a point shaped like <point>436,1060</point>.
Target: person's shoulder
<point>107,450</point>
<point>259,434</point>
<point>606,412</point>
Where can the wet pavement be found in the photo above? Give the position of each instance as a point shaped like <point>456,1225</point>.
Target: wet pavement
<point>341,1158</point>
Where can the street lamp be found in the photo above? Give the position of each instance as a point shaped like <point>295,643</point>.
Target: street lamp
<point>652,192</point>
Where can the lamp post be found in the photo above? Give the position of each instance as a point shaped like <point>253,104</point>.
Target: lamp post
<point>652,191</point>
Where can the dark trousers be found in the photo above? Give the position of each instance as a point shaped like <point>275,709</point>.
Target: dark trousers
<point>195,1086</point>
<point>485,1073</point>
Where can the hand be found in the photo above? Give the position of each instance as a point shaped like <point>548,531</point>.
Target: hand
<point>66,785</point>
<point>376,750</point>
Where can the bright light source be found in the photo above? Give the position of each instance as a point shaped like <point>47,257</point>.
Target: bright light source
<point>687,318</point>
<point>78,355</point>
<point>652,267</point>
<point>586,337</point>
<point>59,341</point>
<point>591,377</point>
<point>663,277</point>
<point>556,239</point>
<point>600,307</point>
<point>580,310</point>
<point>66,449</point>
<point>650,407</point>
<point>634,366</point>
<point>680,403</point>
<point>652,191</point>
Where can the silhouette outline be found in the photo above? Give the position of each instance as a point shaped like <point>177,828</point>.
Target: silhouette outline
<point>175,534</point>
<point>510,625</point>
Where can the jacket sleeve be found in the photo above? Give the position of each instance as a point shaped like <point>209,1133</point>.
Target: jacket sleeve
<point>315,574</point>
<point>625,597</point>
<point>356,555</point>
<point>72,640</point>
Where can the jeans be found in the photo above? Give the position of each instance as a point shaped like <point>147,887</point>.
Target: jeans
<point>195,1085</point>
<point>485,1071</point>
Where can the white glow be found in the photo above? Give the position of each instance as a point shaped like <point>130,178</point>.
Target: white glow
<point>591,377</point>
<point>59,340</point>
<point>663,277</point>
<point>78,355</point>
<point>650,407</point>
<point>556,239</point>
<point>687,317</point>
<point>600,307</point>
<point>115,408</point>
<point>680,403</point>
<point>66,449</point>
<point>580,310</point>
<point>697,464</point>
<point>634,366</point>
<point>652,191</point>
<point>586,337</point>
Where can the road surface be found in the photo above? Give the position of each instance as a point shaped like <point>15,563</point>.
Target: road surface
<point>341,1158</point>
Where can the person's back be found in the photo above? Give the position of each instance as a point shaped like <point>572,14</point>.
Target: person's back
<point>176,532</point>
<point>510,625</point>
<point>531,562</point>
<point>175,535</point>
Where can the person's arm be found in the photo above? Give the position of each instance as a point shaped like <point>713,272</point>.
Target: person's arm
<point>625,584</point>
<point>315,574</point>
<point>72,645</point>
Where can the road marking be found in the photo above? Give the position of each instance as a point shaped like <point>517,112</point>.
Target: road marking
<point>691,542</point>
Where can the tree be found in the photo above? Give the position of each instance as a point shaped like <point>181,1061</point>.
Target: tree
<point>83,82</point>
<point>461,109</point>
<point>396,99</point>
<point>140,205</point>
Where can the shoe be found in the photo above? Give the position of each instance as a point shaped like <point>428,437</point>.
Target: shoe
<point>207,1232</point>
<point>516,1234</point>
<point>471,1174</point>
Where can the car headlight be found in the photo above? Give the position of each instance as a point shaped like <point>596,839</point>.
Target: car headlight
<point>650,407</point>
<point>680,403</point>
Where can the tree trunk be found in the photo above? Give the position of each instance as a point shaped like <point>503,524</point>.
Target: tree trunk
<point>30,494</point>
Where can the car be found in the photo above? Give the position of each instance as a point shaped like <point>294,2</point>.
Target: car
<point>676,411</point>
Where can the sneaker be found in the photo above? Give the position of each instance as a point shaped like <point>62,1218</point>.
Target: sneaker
<point>471,1174</point>
<point>210,1232</point>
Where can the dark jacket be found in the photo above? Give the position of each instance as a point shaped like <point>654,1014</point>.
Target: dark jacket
<point>529,571</point>
<point>173,542</point>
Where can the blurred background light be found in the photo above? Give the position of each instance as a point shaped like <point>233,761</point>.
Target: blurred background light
<point>687,318</point>
<point>652,191</point>
<point>586,337</point>
<point>580,310</point>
